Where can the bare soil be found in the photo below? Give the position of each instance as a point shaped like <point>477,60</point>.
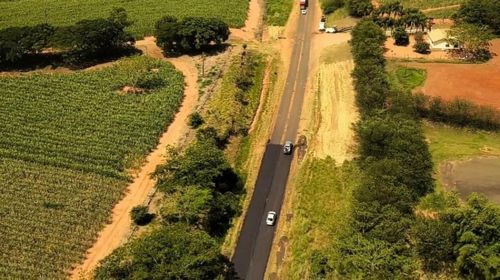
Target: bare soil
<point>115,233</point>
<point>479,83</point>
<point>253,23</point>
<point>479,175</point>
<point>407,52</point>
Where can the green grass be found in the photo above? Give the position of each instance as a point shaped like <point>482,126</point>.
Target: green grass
<point>426,4</point>
<point>336,53</point>
<point>321,212</point>
<point>226,113</point>
<point>405,77</point>
<point>144,13</point>
<point>445,13</point>
<point>67,141</point>
<point>277,11</point>
<point>449,143</point>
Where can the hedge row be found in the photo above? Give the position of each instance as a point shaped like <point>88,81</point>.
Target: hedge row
<point>87,39</point>
<point>458,112</point>
<point>397,168</point>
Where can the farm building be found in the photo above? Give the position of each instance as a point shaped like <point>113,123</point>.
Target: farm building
<point>438,40</point>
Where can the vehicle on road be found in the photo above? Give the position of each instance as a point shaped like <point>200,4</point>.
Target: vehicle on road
<point>271,218</point>
<point>330,30</point>
<point>303,4</point>
<point>304,11</point>
<point>288,147</point>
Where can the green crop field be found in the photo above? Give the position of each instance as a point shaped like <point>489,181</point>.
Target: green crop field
<point>144,13</point>
<point>426,4</point>
<point>66,143</point>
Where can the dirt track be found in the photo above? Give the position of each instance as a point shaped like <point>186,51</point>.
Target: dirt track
<point>479,83</point>
<point>115,233</point>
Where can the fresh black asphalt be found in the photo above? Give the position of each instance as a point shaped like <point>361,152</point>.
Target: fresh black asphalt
<point>256,238</point>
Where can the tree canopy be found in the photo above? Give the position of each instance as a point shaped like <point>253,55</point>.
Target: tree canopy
<point>480,12</point>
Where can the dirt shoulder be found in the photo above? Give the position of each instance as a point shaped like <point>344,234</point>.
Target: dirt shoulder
<point>115,233</point>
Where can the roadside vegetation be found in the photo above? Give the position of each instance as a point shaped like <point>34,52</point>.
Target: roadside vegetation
<point>277,11</point>
<point>425,4</point>
<point>386,238</point>
<point>202,191</point>
<point>67,143</point>
<point>143,14</point>
<point>446,13</point>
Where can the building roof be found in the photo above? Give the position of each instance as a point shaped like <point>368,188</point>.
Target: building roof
<point>437,34</point>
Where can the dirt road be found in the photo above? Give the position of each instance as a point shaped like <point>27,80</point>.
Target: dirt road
<point>115,233</point>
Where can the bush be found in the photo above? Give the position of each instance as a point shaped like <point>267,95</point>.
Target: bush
<point>458,112</point>
<point>191,34</point>
<point>422,47</point>
<point>481,13</point>
<point>140,215</point>
<point>169,252</point>
<point>195,120</point>
<point>16,42</point>
<point>401,37</point>
<point>330,6</point>
<point>150,80</point>
<point>359,8</point>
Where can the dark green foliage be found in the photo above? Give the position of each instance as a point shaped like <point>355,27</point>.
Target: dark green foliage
<point>170,252</point>
<point>401,140</point>
<point>200,164</point>
<point>17,42</point>
<point>434,242</point>
<point>359,8</point>
<point>140,215</point>
<point>422,47</point>
<point>320,268</point>
<point>482,13</point>
<point>191,34</point>
<point>458,112</point>
<point>477,231</point>
<point>365,258</point>
<point>330,6</point>
<point>150,80</point>
<point>90,39</point>
<point>195,120</point>
<point>400,36</point>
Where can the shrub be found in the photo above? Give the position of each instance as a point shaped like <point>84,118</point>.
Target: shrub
<point>330,6</point>
<point>16,42</point>
<point>191,34</point>
<point>359,8</point>
<point>401,37</point>
<point>422,47</point>
<point>195,120</point>
<point>140,215</point>
<point>150,80</point>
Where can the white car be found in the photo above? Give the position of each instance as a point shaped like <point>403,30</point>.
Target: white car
<point>271,218</point>
<point>330,30</point>
<point>288,147</point>
<point>303,11</point>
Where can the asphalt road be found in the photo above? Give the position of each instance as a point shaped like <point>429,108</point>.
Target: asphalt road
<point>256,238</point>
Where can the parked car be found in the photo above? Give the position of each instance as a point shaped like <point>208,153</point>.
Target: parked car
<point>271,218</point>
<point>288,147</point>
<point>330,30</point>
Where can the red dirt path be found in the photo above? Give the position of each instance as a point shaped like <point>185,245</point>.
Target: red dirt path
<point>479,83</point>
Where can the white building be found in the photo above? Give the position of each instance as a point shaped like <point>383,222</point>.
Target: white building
<point>438,40</point>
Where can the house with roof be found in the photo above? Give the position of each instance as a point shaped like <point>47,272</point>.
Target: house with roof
<point>438,40</point>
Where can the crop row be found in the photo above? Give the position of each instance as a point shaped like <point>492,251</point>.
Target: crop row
<point>65,143</point>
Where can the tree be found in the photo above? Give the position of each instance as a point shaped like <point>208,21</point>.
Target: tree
<point>193,205</point>
<point>477,231</point>
<point>120,18</point>
<point>16,42</point>
<point>200,164</point>
<point>481,13</point>
<point>191,34</point>
<point>359,8</point>
<point>422,47</point>
<point>330,6</point>
<point>400,36</point>
<point>434,242</point>
<point>169,252</point>
<point>473,41</point>
<point>140,215</point>
<point>195,120</point>
<point>414,19</point>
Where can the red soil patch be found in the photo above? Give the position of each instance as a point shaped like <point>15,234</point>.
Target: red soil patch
<point>479,83</point>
